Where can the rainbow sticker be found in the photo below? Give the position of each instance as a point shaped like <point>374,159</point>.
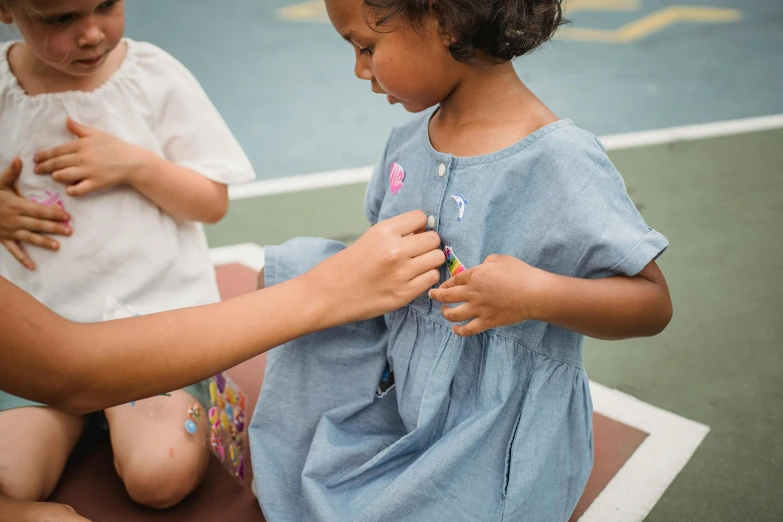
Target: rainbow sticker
<point>452,263</point>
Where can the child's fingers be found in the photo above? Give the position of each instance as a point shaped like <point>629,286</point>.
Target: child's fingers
<point>461,279</point>
<point>18,253</point>
<point>68,175</point>
<point>57,163</point>
<point>82,188</point>
<point>476,326</point>
<point>25,236</point>
<point>459,313</point>
<point>61,150</point>
<point>36,211</point>
<point>455,294</point>
<point>11,173</point>
<point>44,226</point>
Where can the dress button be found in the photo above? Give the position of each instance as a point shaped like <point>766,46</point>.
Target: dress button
<point>441,170</point>
<point>431,222</point>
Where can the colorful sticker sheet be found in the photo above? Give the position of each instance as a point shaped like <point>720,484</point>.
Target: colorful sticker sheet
<point>226,417</point>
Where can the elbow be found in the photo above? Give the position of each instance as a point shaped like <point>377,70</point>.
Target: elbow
<point>666,317</point>
<point>217,209</point>
<point>660,318</point>
<point>214,215</point>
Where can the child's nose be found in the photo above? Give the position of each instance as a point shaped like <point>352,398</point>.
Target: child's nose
<point>90,36</point>
<point>361,70</point>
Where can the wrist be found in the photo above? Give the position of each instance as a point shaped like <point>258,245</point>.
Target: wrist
<point>318,306</point>
<point>544,305</point>
<point>141,170</point>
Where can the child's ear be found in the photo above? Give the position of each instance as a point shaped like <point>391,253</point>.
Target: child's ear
<point>5,14</point>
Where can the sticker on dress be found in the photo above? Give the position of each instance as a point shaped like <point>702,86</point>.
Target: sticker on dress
<point>462,206</point>
<point>52,200</point>
<point>452,263</point>
<point>396,177</point>
<point>386,383</point>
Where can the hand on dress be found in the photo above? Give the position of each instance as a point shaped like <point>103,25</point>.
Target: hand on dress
<point>93,161</point>
<point>23,221</point>
<point>501,291</point>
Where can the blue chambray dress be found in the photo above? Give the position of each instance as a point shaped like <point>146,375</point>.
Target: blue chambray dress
<point>397,418</point>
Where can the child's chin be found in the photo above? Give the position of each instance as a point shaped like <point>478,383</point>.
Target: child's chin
<point>414,108</point>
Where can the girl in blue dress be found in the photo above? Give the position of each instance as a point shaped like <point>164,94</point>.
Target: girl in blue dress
<point>479,408</point>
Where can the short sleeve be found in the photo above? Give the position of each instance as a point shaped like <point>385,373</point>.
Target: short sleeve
<point>188,126</point>
<point>601,229</point>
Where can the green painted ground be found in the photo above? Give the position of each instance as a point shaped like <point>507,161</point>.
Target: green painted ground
<point>720,362</point>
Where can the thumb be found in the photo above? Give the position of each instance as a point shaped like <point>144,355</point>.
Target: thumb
<point>77,129</point>
<point>11,173</point>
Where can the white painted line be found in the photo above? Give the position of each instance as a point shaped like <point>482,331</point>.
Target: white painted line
<point>692,132</point>
<point>338,178</point>
<point>641,482</point>
<point>248,254</point>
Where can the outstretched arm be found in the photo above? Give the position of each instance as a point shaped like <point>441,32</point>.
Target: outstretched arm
<point>86,367</point>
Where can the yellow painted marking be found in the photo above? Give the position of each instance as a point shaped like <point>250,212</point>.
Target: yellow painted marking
<point>572,6</point>
<point>314,11</point>
<point>653,23</point>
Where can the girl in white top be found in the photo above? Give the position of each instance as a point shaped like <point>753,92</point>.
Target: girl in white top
<point>118,150</point>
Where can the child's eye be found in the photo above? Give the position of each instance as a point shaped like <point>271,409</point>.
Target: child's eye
<point>107,5</point>
<point>59,20</point>
<point>367,51</point>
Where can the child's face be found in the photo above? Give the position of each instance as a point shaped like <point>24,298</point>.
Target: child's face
<point>71,36</point>
<point>411,66</point>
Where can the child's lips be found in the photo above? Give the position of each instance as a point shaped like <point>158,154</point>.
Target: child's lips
<point>91,61</point>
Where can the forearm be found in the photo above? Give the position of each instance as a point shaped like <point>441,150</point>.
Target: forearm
<point>182,193</point>
<point>86,367</point>
<point>610,309</point>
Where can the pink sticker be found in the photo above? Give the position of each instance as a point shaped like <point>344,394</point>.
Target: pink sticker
<point>396,175</point>
<point>52,199</point>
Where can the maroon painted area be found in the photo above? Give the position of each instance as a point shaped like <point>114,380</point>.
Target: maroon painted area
<point>92,487</point>
<point>235,280</point>
<point>614,444</point>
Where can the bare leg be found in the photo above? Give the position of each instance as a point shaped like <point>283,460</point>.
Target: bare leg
<point>159,462</point>
<point>16,510</point>
<point>35,443</point>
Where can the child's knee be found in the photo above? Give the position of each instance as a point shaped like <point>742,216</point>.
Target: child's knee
<point>164,483</point>
<point>27,485</point>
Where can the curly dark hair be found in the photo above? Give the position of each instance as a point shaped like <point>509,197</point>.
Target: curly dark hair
<point>498,29</point>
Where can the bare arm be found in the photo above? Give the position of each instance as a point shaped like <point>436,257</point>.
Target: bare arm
<point>182,193</point>
<point>504,290</point>
<point>97,160</point>
<point>86,367</point>
<point>612,308</point>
